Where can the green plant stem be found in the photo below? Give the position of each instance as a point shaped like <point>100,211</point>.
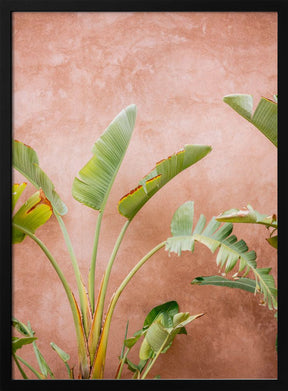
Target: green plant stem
<point>77,321</point>
<point>91,280</point>
<point>102,293</point>
<point>119,372</point>
<point>19,366</point>
<point>80,286</point>
<point>150,365</point>
<point>48,255</point>
<point>38,374</point>
<point>123,355</point>
<point>98,366</point>
<point>134,271</point>
<point>111,261</point>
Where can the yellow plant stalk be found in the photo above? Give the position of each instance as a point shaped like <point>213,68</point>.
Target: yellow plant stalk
<point>97,371</point>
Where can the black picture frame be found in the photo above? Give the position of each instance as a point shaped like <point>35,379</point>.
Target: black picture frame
<point>7,8</point>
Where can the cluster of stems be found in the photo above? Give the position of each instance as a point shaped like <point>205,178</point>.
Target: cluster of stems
<point>92,336</point>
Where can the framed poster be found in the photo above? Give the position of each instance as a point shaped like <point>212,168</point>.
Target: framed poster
<point>133,130</point>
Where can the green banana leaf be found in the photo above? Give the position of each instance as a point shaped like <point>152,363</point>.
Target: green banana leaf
<point>97,176</point>
<point>164,171</point>
<point>160,327</point>
<point>215,237</point>
<point>17,190</point>
<point>25,160</point>
<point>159,337</point>
<point>243,283</point>
<point>31,215</point>
<point>264,117</point>
<point>168,310</point>
<point>248,215</point>
<point>273,241</point>
<point>17,343</point>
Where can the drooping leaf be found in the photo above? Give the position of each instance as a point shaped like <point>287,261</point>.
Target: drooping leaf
<point>264,117</point>
<point>31,215</point>
<point>97,176</point>
<point>215,236</point>
<point>243,283</point>
<point>164,171</point>
<point>17,190</point>
<point>17,343</point>
<point>248,215</point>
<point>25,160</point>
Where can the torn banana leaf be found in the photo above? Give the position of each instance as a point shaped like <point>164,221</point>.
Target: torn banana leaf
<point>31,215</point>
<point>248,215</point>
<point>217,237</point>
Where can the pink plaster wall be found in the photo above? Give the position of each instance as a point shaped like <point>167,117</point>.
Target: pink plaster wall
<point>73,73</point>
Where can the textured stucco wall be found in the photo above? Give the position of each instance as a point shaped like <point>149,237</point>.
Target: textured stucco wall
<point>73,73</point>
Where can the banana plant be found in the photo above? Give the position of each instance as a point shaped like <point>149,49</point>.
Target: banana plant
<point>92,187</point>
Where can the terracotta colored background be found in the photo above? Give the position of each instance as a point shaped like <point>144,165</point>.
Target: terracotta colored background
<point>73,73</point>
